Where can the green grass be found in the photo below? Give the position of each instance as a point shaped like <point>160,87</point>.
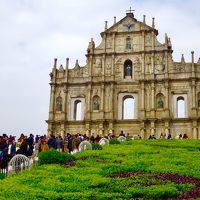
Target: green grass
<point>91,177</point>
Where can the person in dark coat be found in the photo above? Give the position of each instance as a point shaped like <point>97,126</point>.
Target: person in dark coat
<point>52,142</point>
<point>30,143</point>
<point>70,143</point>
<point>23,149</point>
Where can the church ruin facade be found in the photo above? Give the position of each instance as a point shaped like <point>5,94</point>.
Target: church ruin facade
<point>131,83</point>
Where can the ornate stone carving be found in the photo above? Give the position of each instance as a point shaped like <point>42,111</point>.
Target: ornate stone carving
<point>148,68</point>
<point>108,67</point>
<point>159,65</point>
<point>97,66</point>
<point>118,67</point>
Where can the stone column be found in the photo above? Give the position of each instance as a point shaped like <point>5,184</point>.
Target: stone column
<point>193,68</point>
<point>112,100</point>
<point>166,64</point>
<point>52,102</point>
<point>166,128</point>
<point>142,101</point>
<point>142,130</point>
<point>194,129</point>
<point>87,128</point>
<point>49,130</point>
<point>113,64</point>
<point>143,66</point>
<point>62,130</point>
<point>90,65</point>
<point>153,128</point>
<point>193,94</point>
<point>152,99</point>
<point>88,105</point>
<point>102,105</point>
<point>167,99</point>
<point>152,64</point>
<point>148,99</point>
<point>113,42</point>
<point>65,103</point>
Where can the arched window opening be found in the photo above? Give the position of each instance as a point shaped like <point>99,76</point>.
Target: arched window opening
<point>128,68</point>
<point>128,108</point>
<point>180,107</point>
<point>160,101</point>
<point>128,43</point>
<point>77,110</point>
<point>59,104</point>
<point>96,103</point>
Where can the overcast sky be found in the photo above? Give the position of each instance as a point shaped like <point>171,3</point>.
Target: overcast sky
<point>34,32</point>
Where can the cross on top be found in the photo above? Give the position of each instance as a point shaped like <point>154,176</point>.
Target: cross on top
<point>130,11</point>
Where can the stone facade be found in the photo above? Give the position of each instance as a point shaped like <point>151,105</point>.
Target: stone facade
<point>130,63</point>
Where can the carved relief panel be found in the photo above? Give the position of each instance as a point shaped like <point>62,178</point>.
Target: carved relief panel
<point>97,67</point>
<point>118,68</point>
<point>159,64</point>
<point>137,67</point>
<point>108,67</point>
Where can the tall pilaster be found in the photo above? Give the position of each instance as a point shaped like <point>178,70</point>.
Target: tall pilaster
<point>152,100</point>
<point>88,103</point>
<point>52,100</point>
<point>102,108</point>
<point>193,68</point>
<point>194,129</point>
<point>142,116</point>
<point>167,114</point>
<point>65,102</point>
<point>166,65</point>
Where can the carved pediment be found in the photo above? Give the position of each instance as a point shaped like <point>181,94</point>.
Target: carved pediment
<point>128,24</point>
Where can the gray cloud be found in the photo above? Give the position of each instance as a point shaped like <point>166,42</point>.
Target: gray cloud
<point>34,32</point>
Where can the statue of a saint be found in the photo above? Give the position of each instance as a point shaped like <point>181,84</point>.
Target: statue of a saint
<point>128,70</point>
<point>160,103</point>
<point>59,104</point>
<point>96,104</point>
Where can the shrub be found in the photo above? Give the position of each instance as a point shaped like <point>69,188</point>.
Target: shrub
<point>114,141</point>
<point>96,146</point>
<point>2,176</point>
<point>54,157</point>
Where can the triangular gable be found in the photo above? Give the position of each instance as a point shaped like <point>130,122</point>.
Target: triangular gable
<point>128,23</point>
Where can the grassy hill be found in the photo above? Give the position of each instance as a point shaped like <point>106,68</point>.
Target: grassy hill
<point>140,169</point>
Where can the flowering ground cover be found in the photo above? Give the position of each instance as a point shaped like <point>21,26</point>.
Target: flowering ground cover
<point>139,169</point>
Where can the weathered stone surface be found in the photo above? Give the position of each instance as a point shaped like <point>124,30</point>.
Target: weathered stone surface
<point>156,83</point>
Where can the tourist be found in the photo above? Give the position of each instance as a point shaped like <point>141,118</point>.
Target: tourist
<point>122,134</point>
<point>30,143</point>
<point>59,143</point>
<point>97,139</point>
<point>23,149</point>
<point>75,143</point>
<point>70,143</point>
<point>185,136</point>
<point>44,146</point>
<point>92,139</point>
<point>169,136</point>
<point>12,148</point>
<point>52,142</point>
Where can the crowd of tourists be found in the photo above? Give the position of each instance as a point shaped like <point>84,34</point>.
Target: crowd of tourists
<point>31,146</point>
<point>169,136</point>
